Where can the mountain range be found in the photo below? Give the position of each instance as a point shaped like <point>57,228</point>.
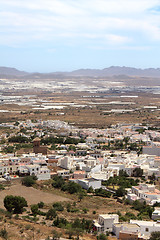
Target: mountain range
<point>106,72</point>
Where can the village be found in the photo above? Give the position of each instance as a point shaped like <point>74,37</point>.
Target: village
<point>120,162</point>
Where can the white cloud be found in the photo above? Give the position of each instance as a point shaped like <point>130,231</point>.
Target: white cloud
<point>116,39</point>
<point>116,21</point>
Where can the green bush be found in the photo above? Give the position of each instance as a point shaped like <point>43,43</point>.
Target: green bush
<point>60,222</point>
<point>102,236</point>
<point>58,206</point>
<point>4,233</point>
<point>120,192</point>
<point>103,193</point>
<point>51,214</point>
<point>1,187</point>
<point>155,236</point>
<point>40,204</point>
<point>85,210</point>
<point>34,209</point>
<point>14,204</point>
<point>29,181</point>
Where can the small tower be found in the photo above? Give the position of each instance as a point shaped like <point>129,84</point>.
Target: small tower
<point>37,148</point>
<point>36,144</point>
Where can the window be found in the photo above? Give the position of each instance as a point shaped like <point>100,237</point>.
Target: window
<point>147,230</point>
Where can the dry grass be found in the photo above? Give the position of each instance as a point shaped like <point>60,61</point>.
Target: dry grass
<point>32,195</point>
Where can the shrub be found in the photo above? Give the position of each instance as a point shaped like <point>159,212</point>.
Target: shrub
<point>90,190</point>
<point>51,214</point>
<point>41,204</point>
<point>58,206</point>
<point>155,236</point>
<point>60,222</point>
<point>3,233</point>
<point>34,209</point>
<point>68,207</point>
<point>85,210</point>
<point>103,193</point>
<point>28,226</point>
<point>102,236</point>
<point>16,216</point>
<point>74,210</point>
<point>56,235</point>
<point>1,187</point>
<point>8,214</point>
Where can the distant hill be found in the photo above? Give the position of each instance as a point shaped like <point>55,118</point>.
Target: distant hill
<point>106,72</point>
<point>11,71</point>
<point>111,71</point>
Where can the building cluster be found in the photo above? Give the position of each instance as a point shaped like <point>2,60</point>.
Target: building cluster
<point>88,160</point>
<point>88,163</point>
<point>134,230</point>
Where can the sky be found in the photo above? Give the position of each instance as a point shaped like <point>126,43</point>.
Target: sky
<point>64,35</point>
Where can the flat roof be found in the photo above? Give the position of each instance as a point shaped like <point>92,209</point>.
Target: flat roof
<point>128,225</point>
<point>108,215</point>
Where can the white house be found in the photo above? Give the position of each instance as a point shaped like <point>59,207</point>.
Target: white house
<point>66,163</point>
<point>147,192</point>
<point>147,227</point>
<point>125,227</point>
<point>156,214</point>
<point>44,174</point>
<point>105,222</point>
<point>89,182</point>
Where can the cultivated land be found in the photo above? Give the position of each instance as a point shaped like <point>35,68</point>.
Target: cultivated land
<point>89,111</point>
<point>83,101</point>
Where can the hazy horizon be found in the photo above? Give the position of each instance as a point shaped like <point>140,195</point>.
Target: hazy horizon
<point>72,70</point>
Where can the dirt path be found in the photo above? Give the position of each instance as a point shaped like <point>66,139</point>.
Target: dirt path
<point>32,195</point>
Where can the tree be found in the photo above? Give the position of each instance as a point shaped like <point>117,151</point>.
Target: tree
<point>80,196</point>
<point>18,139</point>
<point>29,181</point>
<point>102,192</point>
<point>120,192</point>
<point>58,182</point>
<point>15,203</point>
<point>34,209</point>
<point>138,172</point>
<point>78,232</point>
<point>8,149</point>
<point>155,236</point>
<point>123,173</point>
<point>51,214</point>
<point>73,187</point>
